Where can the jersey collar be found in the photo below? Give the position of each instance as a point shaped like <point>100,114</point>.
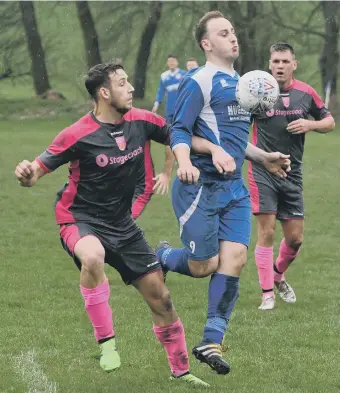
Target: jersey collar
<point>217,68</point>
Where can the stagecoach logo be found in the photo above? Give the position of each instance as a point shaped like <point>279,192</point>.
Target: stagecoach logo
<point>121,142</point>
<point>270,113</point>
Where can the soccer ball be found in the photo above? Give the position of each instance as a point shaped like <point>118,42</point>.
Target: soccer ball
<point>257,91</point>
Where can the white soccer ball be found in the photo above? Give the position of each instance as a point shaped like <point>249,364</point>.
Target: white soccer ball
<point>257,91</point>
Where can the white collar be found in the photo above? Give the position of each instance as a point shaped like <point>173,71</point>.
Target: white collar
<point>225,70</point>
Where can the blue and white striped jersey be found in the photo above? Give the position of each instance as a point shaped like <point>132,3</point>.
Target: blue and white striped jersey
<point>206,106</point>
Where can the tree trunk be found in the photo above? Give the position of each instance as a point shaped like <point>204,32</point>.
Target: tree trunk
<point>145,48</point>
<point>90,36</point>
<point>36,51</point>
<point>248,59</point>
<point>330,56</point>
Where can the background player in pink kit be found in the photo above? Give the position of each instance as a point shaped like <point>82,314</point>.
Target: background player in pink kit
<point>105,148</point>
<point>283,128</point>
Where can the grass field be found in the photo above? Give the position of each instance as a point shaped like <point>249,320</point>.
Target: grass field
<point>47,345</point>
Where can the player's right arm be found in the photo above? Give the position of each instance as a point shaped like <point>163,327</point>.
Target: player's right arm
<point>61,151</point>
<point>28,173</point>
<point>189,104</point>
<point>159,96</point>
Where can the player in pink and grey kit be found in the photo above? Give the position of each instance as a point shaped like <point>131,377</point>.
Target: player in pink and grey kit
<point>284,128</point>
<point>105,148</point>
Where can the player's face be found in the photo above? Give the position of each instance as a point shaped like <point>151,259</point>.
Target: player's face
<point>282,66</point>
<point>172,63</point>
<point>120,93</point>
<point>221,39</point>
<point>191,64</point>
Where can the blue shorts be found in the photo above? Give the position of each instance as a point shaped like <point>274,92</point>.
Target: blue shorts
<point>210,211</point>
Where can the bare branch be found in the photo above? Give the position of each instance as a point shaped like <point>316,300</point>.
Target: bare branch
<point>305,28</point>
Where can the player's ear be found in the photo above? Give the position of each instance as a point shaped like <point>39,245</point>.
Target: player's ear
<point>206,45</point>
<point>294,65</point>
<point>105,93</point>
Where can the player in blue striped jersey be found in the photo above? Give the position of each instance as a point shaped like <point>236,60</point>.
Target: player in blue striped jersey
<point>209,197</point>
<point>168,86</point>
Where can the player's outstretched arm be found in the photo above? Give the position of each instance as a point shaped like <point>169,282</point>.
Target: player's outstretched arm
<point>276,163</point>
<point>28,173</point>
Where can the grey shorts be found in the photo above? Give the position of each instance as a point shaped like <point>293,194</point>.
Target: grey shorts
<point>271,195</point>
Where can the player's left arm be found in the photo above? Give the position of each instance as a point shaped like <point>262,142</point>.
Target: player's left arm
<point>323,120</point>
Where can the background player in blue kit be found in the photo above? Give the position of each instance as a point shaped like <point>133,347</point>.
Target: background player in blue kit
<point>213,210</point>
<point>168,86</point>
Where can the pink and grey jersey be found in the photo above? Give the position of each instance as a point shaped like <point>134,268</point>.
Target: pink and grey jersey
<point>270,133</point>
<point>105,162</point>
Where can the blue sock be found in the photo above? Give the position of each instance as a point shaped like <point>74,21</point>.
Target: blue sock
<point>175,260</point>
<point>223,293</point>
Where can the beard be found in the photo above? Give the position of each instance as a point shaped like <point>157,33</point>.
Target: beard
<point>119,108</point>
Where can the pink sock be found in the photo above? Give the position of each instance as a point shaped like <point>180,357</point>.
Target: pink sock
<point>285,258</point>
<point>173,340</point>
<point>264,258</point>
<point>98,309</point>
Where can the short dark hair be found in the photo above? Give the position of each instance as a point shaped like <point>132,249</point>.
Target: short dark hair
<point>172,57</point>
<point>281,47</point>
<point>99,76</point>
<point>192,59</point>
<point>201,27</point>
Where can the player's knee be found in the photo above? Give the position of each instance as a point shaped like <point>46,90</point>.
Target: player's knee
<point>200,269</point>
<point>266,236</point>
<point>166,301</point>
<point>161,299</point>
<point>93,260</point>
<point>295,242</point>
<point>233,258</point>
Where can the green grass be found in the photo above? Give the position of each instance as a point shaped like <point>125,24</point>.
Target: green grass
<point>293,349</point>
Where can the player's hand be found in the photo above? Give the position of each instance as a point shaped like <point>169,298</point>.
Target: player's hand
<point>188,174</point>
<point>154,108</point>
<point>24,172</point>
<point>277,164</point>
<point>223,162</point>
<point>162,182</point>
<point>300,126</point>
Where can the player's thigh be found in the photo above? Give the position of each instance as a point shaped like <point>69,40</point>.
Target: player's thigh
<point>195,206</point>
<point>133,257</point>
<point>263,191</point>
<point>80,240</point>
<point>233,257</point>
<point>290,202</point>
<point>235,218</point>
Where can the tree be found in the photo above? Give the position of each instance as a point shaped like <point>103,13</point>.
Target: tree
<point>145,48</point>
<point>329,58</point>
<point>35,48</point>
<point>90,36</point>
